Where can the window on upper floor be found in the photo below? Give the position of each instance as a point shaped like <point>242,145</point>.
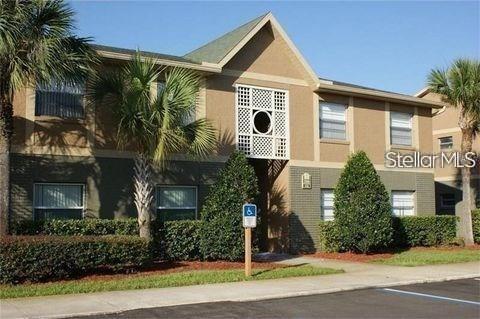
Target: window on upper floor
<point>327,197</point>
<point>401,128</point>
<point>62,100</point>
<point>176,202</point>
<point>403,203</point>
<point>58,201</point>
<point>446,143</point>
<point>333,121</point>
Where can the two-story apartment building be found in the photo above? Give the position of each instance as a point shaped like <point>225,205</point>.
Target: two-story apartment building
<point>447,138</point>
<point>265,100</point>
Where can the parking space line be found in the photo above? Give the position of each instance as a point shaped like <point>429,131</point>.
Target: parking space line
<point>431,296</point>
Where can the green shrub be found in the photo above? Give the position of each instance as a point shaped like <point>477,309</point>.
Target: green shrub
<point>222,231</point>
<point>362,207</point>
<point>328,236</point>
<point>77,227</point>
<point>181,240</point>
<point>476,225</point>
<point>424,230</point>
<point>41,258</point>
<point>407,232</point>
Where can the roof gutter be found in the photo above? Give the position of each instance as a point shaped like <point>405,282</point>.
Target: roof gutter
<point>325,87</point>
<point>205,67</point>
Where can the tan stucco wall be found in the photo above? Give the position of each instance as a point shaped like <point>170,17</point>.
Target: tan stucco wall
<point>445,123</point>
<point>267,53</point>
<point>369,128</point>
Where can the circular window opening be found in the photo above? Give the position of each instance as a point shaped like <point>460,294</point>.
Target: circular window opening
<point>262,122</point>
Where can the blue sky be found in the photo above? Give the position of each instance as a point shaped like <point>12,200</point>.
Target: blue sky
<point>388,45</point>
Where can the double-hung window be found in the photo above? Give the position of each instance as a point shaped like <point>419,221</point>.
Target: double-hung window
<point>401,128</point>
<point>403,203</point>
<point>59,99</point>
<point>327,204</point>
<point>176,202</point>
<point>58,201</point>
<point>446,143</point>
<point>333,121</point>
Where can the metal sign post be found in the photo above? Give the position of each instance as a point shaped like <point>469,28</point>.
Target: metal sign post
<point>249,222</point>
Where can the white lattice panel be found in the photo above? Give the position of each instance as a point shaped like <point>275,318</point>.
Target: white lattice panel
<point>252,101</point>
<point>262,99</point>
<point>244,120</point>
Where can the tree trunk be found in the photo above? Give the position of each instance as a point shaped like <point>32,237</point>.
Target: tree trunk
<point>465,214</point>
<point>6,111</point>
<point>143,196</point>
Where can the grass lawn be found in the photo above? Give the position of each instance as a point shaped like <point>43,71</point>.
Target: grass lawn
<point>430,256</point>
<point>177,279</point>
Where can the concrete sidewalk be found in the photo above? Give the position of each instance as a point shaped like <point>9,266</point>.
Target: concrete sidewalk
<point>358,275</point>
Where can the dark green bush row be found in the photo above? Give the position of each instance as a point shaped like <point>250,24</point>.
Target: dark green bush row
<point>173,240</point>
<point>40,258</point>
<point>424,230</point>
<point>476,225</point>
<point>407,232</point>
<point>180,240</point>
<point>77,227</point>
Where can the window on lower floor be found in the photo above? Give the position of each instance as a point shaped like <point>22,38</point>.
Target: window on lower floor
<point>62,100</point>
<point>447,201</point>
<point>176,202</point>
<point>327,204</point>
<point>58,201</point>
<point>403,203</point>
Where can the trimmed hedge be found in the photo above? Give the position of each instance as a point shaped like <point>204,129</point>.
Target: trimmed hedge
<point>476,225</point>
<point>181,240</point>
<point>328,237</point>
<point>41,258</point>
<point>77,227</point>
<point>407,232</point>
<point>424,230</point>
<point>173,240</point>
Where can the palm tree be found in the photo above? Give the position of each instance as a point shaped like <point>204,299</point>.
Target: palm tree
<point>156,125</point>
<point>459,86</point>
<point>36,46</point>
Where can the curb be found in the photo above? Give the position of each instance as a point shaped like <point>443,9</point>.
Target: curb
<point>277,296</point>
<point>358,287</point>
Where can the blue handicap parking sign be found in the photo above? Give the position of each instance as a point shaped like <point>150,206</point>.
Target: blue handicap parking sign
<point>249,210</point>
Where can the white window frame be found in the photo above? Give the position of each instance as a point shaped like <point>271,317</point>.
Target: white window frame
<point>273,134</point>
<point>344,122</point>
<point>414,207</point>
<point>410,129</point>
<point>322,207</point>
<point>84,198</point>
<point>442,143</point>
<point>177,208</point>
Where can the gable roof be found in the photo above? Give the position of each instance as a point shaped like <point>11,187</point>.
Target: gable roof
<point>214,51</point>
<point>231,43</point>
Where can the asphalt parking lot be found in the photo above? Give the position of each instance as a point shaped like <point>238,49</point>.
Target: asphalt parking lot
<point>452,299</point>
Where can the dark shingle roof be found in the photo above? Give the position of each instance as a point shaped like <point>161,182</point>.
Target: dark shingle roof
<point>361,87</point>
<point>143,53</point>
<point>216,50</point>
